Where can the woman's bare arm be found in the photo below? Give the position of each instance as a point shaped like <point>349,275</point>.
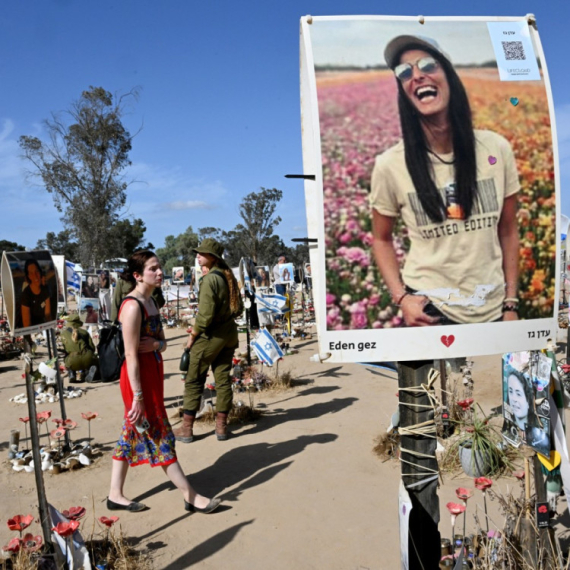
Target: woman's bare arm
<point>509,239</point>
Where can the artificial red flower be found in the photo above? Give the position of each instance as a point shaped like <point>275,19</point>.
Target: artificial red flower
<point>463,493</point>
<point>519,474</point>
<point>32,543</point>
<point>465,404</point>
<point>89,415</point>
<point>74,513</point>
<point>65,529</point>
<point>108,521</point>
<point>57,433</point>
<point>483,483</point>
<point>455,509</point>
<point>20,522</point>
<point>41,417</point>
<point>69,424</point>
<point>25,420</point>
<point>13,546</point>
<point>57,421</point>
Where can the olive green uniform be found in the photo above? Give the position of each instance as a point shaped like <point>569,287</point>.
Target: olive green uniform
<point>123,288</point>
<point>215,345</point>
<point>81,353</point>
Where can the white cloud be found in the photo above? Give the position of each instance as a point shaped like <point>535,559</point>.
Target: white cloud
<point>188,205</point>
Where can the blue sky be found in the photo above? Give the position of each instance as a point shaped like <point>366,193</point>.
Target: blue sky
<point>219,100</point>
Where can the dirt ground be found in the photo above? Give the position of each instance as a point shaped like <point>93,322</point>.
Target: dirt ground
<point>301,486</point>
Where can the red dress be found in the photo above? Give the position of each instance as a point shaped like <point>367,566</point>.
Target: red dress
<point>156,445</point>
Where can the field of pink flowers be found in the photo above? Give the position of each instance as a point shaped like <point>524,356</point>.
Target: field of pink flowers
<point>359,119</point>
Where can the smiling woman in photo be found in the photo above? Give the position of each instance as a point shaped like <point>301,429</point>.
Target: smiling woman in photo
<point>36,305</point>
<point>455,190</point>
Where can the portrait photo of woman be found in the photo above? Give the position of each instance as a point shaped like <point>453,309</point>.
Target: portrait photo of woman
<point>438,187</point>
<point>90,286</point>
<point>35,300</point>
<point>29,288</point>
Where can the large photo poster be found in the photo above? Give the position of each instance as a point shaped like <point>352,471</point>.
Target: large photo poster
<point>436,175</point>
<point>30,290</point>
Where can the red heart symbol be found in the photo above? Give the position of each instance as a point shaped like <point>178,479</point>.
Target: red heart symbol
<point>447,340</point>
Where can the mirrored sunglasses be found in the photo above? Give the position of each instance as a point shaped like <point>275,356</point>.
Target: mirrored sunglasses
<point>404,71</point>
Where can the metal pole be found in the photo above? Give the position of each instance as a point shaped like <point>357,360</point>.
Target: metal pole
<point>51,336</point>
<point>424,546</point>
<point>177,304</point>
<point>35,444</point>
<point>247,317</point>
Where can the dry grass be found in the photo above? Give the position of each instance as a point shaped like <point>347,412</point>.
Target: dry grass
<point>113,552</point>
<point>387,446</point>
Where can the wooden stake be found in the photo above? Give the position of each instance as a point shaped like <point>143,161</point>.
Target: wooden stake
<point>35,444</point>
<point>51,339</point>
<point>424,546</point>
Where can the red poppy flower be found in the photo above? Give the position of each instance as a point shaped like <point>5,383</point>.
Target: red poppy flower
<point>455,509</point>
<point>483,483</point>
<point>57,433</point>
<point>74,513</point>
<point>69,424</point>
<point>463,493</point>
<point>57,421</point>
<point>108,521</point>
<point>32,543</point>
<point>465,404</point>
<point>25,420</point>
<point>20,522</point>
<point>62,368</point>
<point>41,417</point>
<point>89,415</point>
<point>65,529</point>
<point>519,474</point>
<point>13,546</point>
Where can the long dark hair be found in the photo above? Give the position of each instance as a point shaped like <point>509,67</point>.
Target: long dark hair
<point>463,138</point>
<point>233,287</point>
<point>136,264</point>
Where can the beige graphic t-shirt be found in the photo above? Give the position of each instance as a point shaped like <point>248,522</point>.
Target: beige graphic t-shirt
<point>457,264</point>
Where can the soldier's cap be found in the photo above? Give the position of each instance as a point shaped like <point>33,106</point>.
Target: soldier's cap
<point>210,246</point>
<point>74,321</point>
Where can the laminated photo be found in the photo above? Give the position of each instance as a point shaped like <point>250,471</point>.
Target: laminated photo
<point>524,420</point>
<point>262,277</point>
<point>90,286</point>
<point>30,290</point>
<point>177,275</point>
<point>435,202</point>
<point>286,273</point>
<point>89,310</point>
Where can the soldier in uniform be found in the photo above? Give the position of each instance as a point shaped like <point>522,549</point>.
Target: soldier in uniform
<point>81,358</point>
<point>123,288</point>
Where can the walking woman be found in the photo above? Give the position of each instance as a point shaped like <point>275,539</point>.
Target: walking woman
<point>146,436</point>
<point>213,340</point>
<point>455,190</point>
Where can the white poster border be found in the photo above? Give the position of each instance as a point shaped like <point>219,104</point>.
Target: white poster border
<point>419,343</point>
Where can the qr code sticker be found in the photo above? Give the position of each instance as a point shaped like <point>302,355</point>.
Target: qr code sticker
<point>513,50</point>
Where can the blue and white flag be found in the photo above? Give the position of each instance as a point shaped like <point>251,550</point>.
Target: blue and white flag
<point>271,303</point>
<point>246,272</point>
<point>73,279</point>
<point>266,348</point>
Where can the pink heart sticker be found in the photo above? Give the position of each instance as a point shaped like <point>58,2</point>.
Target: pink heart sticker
<point>492,160</point>
<point>447,340</point>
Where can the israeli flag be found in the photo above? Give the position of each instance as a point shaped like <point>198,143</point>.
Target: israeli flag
<point>73,279</point>
<point>245,274</point>
<point>271,303</point>
<point>266,348</point>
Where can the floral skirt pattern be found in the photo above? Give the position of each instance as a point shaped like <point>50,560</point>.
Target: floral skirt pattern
<point>155,446</point>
